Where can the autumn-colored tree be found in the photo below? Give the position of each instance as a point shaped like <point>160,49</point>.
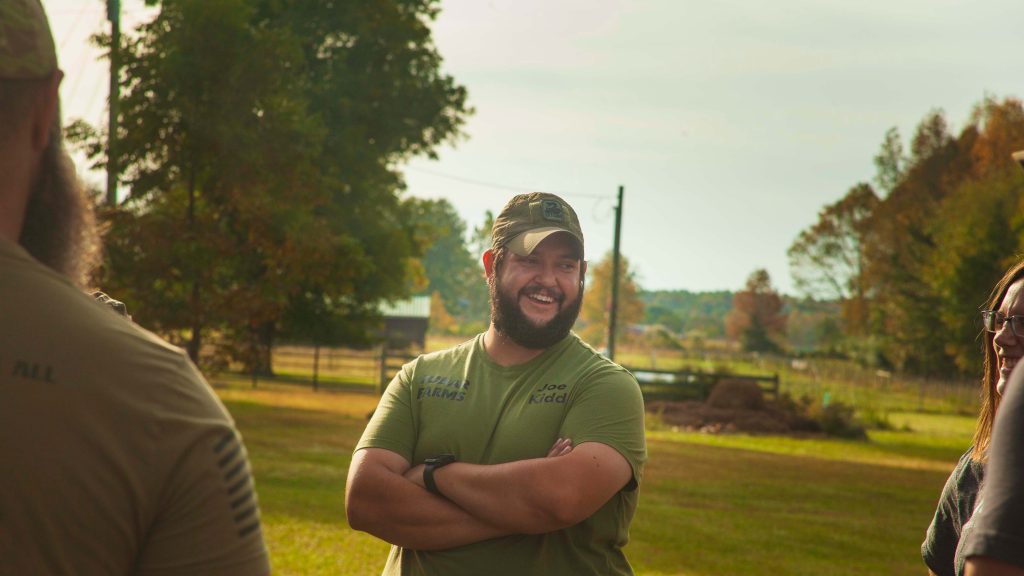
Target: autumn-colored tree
<point>979,229</point>
<point>900,244</point>
<point>1000,127</point>
<point>979,234</point>
<point>890,161</point>
<point>441,322</point>
<point>827,260</point>
<point>947,225</point>
<point>593,326</point>
<point>756,318</point>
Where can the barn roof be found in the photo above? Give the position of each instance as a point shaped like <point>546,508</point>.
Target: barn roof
<point>415,307</point>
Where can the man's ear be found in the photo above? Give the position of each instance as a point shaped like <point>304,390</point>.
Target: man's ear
<point>488,259</point>
<point>45,113</point>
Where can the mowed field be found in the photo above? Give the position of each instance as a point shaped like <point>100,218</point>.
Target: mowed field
<point>709,505</point>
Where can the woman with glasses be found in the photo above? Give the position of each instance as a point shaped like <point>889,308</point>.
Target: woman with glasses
<point>1003,322</point>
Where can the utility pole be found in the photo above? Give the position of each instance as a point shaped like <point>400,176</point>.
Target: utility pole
<point>615,278</point>
<point>114,15</point>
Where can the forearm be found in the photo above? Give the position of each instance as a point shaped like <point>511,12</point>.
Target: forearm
<point>383,503</point>
<point>537,495</point>
<point>522,497</point>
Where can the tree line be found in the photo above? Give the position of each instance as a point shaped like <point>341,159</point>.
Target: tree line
<point>911,256</point>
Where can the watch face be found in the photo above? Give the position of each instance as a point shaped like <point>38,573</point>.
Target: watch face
<point>441,460</point>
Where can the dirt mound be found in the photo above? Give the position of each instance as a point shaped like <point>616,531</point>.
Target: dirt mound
<point>736,395</point>
<point>733,406</point>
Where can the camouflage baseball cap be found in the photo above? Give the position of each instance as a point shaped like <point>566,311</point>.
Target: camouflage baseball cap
<point>528,219</point>
<point>26,45</point>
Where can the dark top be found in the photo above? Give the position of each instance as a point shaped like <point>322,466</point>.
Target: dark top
<point>999,523</point>
<point>956,505</point>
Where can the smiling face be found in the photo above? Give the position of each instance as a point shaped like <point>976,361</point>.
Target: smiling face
<point>536,299</point>
<point>1008,347</point>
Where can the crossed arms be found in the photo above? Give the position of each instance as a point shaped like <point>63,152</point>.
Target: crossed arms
<point>385,496</point>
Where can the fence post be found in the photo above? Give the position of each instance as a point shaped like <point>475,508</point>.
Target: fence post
<point>316,365</point>
<point>383,369</point>
<point>775,385</point>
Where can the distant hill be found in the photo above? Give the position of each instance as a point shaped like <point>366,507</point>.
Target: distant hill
<point>810,324</point>
<point>683,312</point>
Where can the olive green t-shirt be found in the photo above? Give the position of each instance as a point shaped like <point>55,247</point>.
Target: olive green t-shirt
<point>461,402</point>
<point>117,456</point>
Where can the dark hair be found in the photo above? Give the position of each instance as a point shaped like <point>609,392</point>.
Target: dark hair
<point>989,396</point>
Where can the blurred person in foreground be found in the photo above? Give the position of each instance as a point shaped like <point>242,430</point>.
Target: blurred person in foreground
<point>117,456</point>
<point>520,451</point>
<point>1003,336</point>
<point>995,546</point>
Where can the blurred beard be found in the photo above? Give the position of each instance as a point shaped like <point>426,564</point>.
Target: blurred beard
<point>60,226</point>
<point>510,321</point>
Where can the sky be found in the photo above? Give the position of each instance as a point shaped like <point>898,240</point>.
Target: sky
<point>730,124</point>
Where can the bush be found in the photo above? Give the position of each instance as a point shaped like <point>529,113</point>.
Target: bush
<point>837,419</point>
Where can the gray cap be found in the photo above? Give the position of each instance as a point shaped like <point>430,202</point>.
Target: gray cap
<point>26,44</point>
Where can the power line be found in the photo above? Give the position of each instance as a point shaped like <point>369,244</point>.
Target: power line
<point>498,186</point>
<point>72,30</point>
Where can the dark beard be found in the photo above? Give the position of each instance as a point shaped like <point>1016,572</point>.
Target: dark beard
<point>60,227</point>
<point>510,321</point>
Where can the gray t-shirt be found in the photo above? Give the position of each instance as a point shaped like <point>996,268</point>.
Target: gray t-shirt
<point>999,522</point>
<point>952,517</point>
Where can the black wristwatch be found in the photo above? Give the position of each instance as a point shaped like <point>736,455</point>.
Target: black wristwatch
<point>431,464</point>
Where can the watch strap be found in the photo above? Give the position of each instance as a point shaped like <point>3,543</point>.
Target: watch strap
<point>432,464</point>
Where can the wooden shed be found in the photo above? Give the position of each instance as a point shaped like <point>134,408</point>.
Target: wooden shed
<point>406,322</point>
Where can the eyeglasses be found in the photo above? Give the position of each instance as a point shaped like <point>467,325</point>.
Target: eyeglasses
<point>993,321</point>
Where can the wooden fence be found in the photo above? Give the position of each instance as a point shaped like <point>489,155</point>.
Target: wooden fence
<point>372,370</point>
<point>688,385</point>
<point>339,367</point>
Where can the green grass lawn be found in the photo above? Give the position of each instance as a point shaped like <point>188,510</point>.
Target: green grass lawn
<point>709,505</point>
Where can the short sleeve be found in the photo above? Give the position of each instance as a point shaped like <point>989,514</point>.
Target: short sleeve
<point>392,427</point>
<point>207,520</point>
<point>998,531</point>
<point>610,410</point>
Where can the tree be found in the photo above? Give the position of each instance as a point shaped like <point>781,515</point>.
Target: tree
<point>441,322</point>
<point>899,247</point>
<point>979,229</point>
<point>688,313</point>
<point>827,260</point>
<point>480,239</point>
<point>261,141</point>
<point>890,161</point>
<point>217,147</point>
<point>756,318</point>
<point>598,299</point>
<point>450,268</point>
<point>934,245</point>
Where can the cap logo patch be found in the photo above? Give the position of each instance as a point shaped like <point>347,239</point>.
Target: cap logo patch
<point>552,210</point>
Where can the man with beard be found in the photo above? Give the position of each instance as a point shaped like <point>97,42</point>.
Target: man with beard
<point>520,451</point>
<point>117,456</point>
